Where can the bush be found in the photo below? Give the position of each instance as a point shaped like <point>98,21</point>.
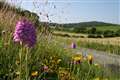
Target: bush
<point>80,30</point>
<point>95,36</point>
<point>99,32</point>
<point>109,33</point>
<point>99,36</point>
<point>117,33</point>
<point>92,36</point>
<point>62,35</point>
<point>92,30</point>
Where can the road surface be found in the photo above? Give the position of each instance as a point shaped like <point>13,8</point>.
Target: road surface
<point>108,60</point>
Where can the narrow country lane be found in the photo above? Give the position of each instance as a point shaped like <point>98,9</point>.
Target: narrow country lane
<point>110,61</point>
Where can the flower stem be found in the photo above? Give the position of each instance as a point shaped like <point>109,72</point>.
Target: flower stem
<point>27,63</point>
<point>20,56</point>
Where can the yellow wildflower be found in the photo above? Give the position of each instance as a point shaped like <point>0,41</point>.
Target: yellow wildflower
<point>77,58</point>
<point>90,58</point>
<point>97,65</point>
<point>17,73</point>
<point>34,74</point>
<point>58,61</point>
<point>97,78</point>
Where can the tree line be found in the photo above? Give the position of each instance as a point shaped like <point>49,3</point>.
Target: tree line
<point>93,32</point>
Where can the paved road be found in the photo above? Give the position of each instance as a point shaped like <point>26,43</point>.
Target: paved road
<point>111,61</point>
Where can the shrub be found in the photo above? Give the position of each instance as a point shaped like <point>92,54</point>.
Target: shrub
<point>117,33</point>
<point>99,36</point>
<point>92,36</point>
<point>109,33</point>
<point>62,35</point>
<point>92,30</point>
<point>79,29</point>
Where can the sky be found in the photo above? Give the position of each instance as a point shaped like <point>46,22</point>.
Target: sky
<point>73,11</point>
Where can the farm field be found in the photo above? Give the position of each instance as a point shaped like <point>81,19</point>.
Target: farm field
<point>69,34</point>
<point>112,41</point>
<point>112,28</point>
<point>110,45</point>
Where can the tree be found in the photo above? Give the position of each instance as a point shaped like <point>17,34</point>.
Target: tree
<point>109,33</point>
<point>98,32</point>
<point>80,30</point>
<point>92,30</point>
<point>117,33</point>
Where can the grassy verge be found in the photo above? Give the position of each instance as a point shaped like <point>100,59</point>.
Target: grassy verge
<point>47,60</point>
<point>92,44</point>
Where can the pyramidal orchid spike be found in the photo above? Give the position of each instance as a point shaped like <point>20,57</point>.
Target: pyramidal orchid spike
<point>25,32</point>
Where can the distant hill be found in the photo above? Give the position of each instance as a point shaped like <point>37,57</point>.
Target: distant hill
<point>94,29</point>
<point>84,24</point>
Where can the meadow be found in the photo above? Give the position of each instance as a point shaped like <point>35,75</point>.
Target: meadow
<point>48,59</point>
<point>110,45</point>
<point>111,28</point>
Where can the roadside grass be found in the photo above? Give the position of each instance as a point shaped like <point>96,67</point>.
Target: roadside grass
<point>46,53</point>
<point>109,45</point>
<point>112,49</point>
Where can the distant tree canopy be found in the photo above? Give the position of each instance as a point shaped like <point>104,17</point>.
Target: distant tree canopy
<point>92,30</point>
<point>86,24</point>
<point>80,30</point>
<point>118,33</point>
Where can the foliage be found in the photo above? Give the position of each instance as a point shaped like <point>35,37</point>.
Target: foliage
<point>45,53</point>
<point>94,28</point>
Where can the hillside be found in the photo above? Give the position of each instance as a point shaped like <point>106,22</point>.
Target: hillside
<point>93,29</point>
<point>84,24</point>
<point>9,15</point>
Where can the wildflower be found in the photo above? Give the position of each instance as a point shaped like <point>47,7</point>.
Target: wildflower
<point>45,68</point>
<point>97,65</point>
<point>97,78</point>
<point>34,74</point>
<point>77,57</point>
<point>77,60</point>
<point>3,32</point>
<point>90,58</point>
<point>25,33</point>
<point>73,45</point>
<point>17,73</point>
<point>58,61</point>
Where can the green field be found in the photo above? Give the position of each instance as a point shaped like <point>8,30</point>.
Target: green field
<point>104,28</point>
<point>110,45</point>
